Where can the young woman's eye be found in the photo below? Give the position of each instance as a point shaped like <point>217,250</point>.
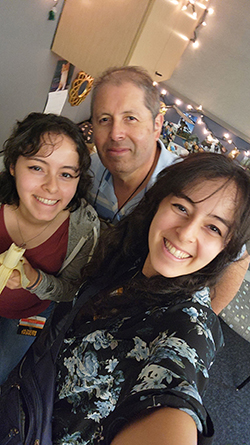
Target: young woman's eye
<point>180,207</point>
<point>215,229</point>
<point>36,168</point>
<point>68,175</point>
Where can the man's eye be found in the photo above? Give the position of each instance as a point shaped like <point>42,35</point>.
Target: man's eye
<point>131,118</point>
<point>103,120</point>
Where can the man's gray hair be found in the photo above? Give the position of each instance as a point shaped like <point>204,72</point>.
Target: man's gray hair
<point>135,75</point>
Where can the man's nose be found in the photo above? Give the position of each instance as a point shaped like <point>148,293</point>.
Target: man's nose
<point>117,132</point>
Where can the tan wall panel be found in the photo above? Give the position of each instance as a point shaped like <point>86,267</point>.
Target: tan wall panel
<point>96,34</point>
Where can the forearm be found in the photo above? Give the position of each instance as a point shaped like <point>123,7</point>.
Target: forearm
<point>64,286</point>
<point>165,426</point>
<point>229,284</point>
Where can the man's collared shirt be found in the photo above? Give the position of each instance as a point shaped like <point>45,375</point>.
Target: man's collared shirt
<point>102,195</point>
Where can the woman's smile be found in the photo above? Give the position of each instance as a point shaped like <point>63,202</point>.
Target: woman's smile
<point>46,201</point>
<point>179,254</point>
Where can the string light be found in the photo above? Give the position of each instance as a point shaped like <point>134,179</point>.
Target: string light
<point>202,22</point>
<point>209,134</point>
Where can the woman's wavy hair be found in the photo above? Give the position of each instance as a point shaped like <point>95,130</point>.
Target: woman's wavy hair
<point>128,240</point>
<point>26,140</point>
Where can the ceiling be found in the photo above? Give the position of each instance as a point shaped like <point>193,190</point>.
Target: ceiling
<point>216,75</point>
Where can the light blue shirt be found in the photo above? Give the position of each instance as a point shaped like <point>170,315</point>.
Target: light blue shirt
<point>102,195</point>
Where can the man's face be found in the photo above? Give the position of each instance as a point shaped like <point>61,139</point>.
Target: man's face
<point>124,132</point>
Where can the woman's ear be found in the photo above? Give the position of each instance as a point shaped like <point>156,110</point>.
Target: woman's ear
<point>12,170</point>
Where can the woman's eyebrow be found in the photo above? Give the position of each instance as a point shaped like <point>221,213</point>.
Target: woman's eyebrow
<point>183,196</point>
<point>224,221</point>
<point>35,158</point>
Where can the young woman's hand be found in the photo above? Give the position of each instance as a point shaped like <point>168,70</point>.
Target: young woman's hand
<point>14,282</point>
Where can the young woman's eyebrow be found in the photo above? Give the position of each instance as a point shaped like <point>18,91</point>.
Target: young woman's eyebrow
<point>223,220</point>
<point>219,218</point>
<point>72,167</point>
<point>183,196</point>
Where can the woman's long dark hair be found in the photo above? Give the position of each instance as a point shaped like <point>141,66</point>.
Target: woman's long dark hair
<point>122,245</point>
<point>26,140</point>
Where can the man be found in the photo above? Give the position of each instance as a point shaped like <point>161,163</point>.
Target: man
<point>127,125</point>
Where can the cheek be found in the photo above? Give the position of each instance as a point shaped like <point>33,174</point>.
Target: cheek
<point>99,135</point>
<point>23,184</point>
<point>209,251</point>
<point>70,191</point>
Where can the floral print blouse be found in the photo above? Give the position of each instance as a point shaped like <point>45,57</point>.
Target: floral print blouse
<point>110,370</point>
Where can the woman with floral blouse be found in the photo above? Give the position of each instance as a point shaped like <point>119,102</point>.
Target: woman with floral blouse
<point>134,364</point>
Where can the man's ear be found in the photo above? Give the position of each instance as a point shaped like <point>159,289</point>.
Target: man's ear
<point>12,170</point>
<point>158,125</point>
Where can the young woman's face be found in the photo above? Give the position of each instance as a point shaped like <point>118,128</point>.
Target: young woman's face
<point>46,182</point>
<point>185,234</point>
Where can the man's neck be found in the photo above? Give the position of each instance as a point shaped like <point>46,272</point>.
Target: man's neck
<point>128,186</point>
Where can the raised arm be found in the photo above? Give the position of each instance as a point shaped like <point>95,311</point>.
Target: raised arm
<point>228,286</point>
<point>164,426</point>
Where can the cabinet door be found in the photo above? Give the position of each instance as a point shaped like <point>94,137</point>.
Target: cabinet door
<point>164,37</point>
<point>96,34</point>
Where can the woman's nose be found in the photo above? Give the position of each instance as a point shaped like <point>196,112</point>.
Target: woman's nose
<point>50,183</point>
<point>188,231</point>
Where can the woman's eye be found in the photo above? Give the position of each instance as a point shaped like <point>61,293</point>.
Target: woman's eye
<point>215,229</point>
<point>67,175</point>
<point>35,168</point>
<point>180,207</point>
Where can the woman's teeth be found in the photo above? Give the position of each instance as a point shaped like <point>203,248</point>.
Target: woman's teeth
<point>175,252</point>
<point>49,202</point>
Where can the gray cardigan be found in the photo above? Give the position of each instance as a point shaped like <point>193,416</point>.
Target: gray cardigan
<point>84,228</point>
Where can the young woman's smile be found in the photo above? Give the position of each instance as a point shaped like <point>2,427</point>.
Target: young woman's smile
<point>190,230</point>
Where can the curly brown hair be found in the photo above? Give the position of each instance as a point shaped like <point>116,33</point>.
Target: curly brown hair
<point>26,140</point>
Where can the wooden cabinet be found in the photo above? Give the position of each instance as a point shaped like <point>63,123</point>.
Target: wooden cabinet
<point>96,34</point>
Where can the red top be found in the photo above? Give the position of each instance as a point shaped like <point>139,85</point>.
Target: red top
<point>48,257</point>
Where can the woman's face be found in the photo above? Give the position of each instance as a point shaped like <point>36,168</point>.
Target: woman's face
<point>47,181</point>
<point>185,234</point>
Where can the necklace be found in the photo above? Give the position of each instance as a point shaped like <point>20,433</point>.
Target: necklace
<point>132,194</point>
<point>24,243</point>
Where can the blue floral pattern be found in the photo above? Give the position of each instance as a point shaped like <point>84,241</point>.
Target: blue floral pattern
<point>120,367</point>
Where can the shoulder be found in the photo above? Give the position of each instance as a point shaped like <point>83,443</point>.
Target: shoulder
<point>84,217</point>
<point>166,158</point>
<point>193,322</point>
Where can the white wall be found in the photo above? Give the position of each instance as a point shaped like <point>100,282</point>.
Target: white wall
<point>27,64</point>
